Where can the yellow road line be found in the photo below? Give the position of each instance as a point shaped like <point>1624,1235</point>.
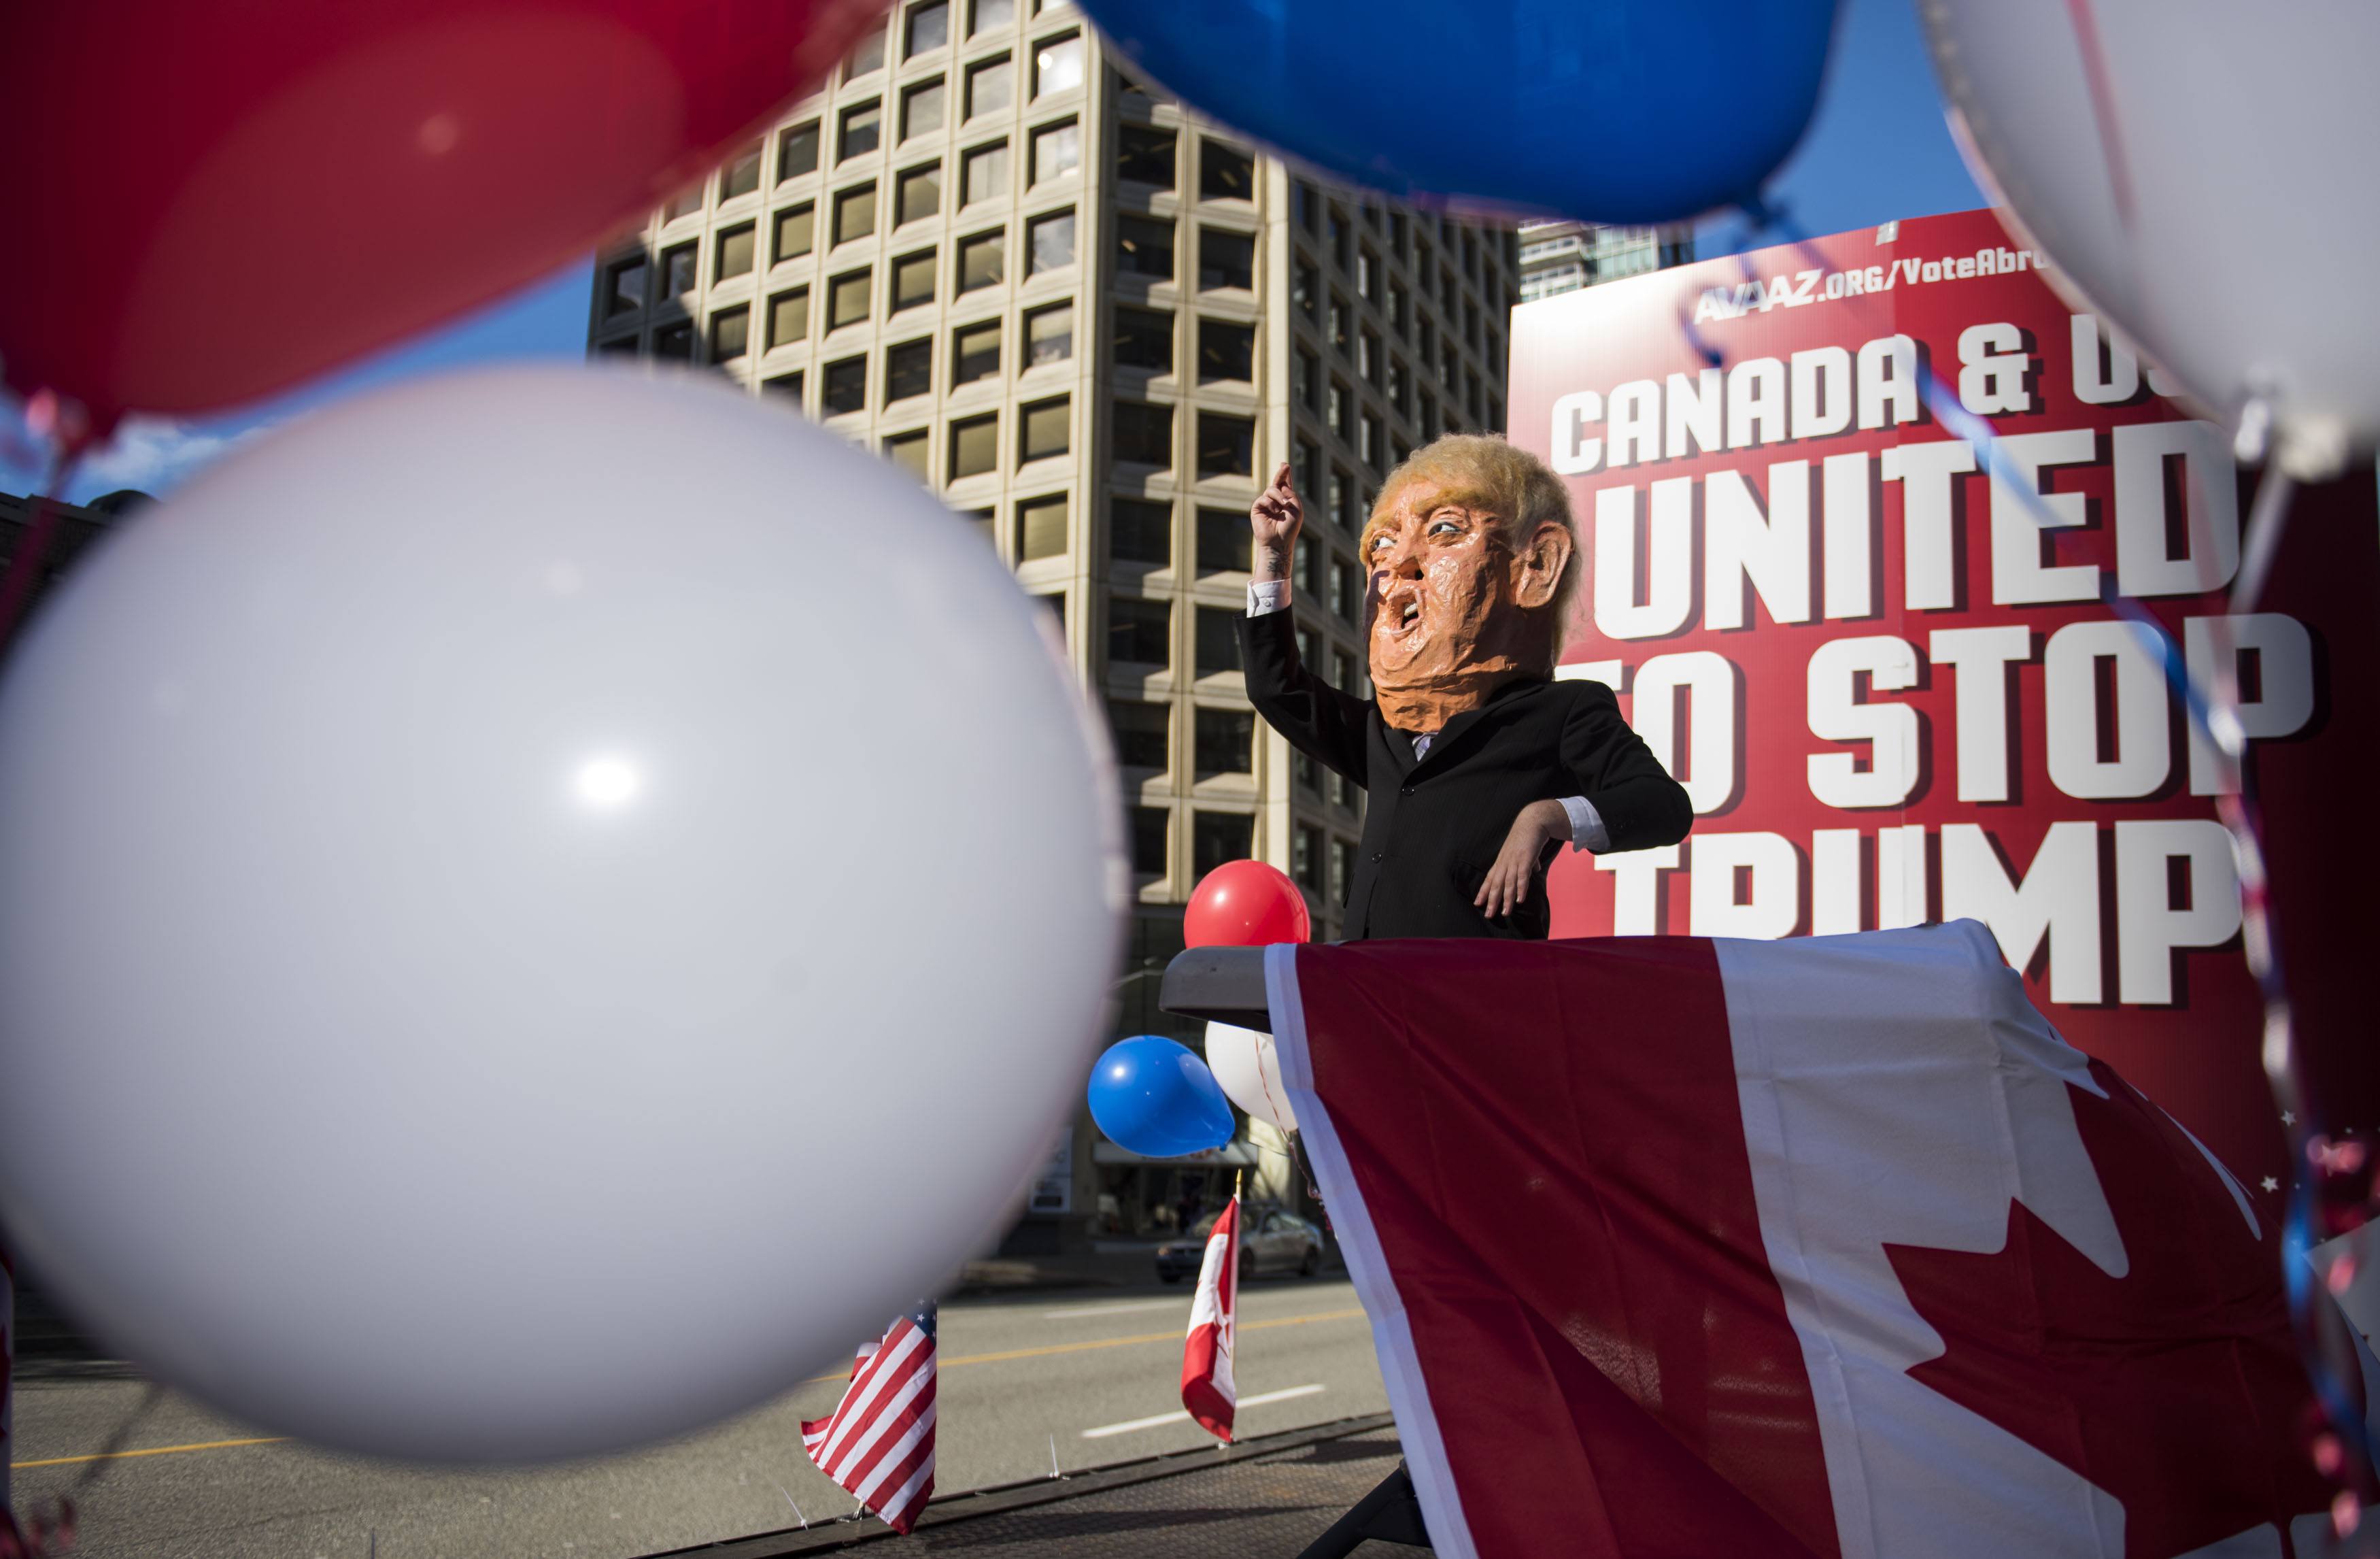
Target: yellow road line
<point>946,1364</point>
<point>155,1451</point>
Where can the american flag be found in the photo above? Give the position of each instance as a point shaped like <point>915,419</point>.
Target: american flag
<point>879,1441</point>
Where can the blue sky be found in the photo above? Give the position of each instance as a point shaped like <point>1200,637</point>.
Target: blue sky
<point>1877,149</point>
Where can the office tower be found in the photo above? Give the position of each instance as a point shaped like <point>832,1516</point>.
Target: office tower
<point>1565,256</point>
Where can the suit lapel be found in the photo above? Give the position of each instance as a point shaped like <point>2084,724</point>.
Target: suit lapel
<point>1458,731</point>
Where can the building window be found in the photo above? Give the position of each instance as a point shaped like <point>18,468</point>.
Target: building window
<point>921,109</point>
<point>1143,338</point>
<point>1305,378</point>
<point>929,28</point>
<point>1368,355</point>
<point>686,204</point>
<point>1305,855</point>
<point>1373,444</point>
<point>863,127</point>
<point>1140,531</point>
<point>1049,335</point>
<point>1226,352</point>
<point>740,176</point>
<point>1225,174</point>
<point>1219,639</point>
<point>844,386</point>
<point>1226,445</point>
<point>984,174</point>
<point>1224,740</point>
<point>624,286</point>
<point>913,280</point>
<point>987,14</point>
<point>975,446</point>
<point>908,451</point>
<point>1399,388</point>
<point>1045,429</point>
<point>1337,411</point>
<point>1340,499</point>
<point>846,299</point>
<point>979,261</point>
<point>1306,290</point>
<point>789,385</point>
<point>1346,591</point>
<point>789,317</point>
<point>1367,274</point>
<point>1304,466</point>
<point>1340,335</point>
<point>867,56</point>
<point>731,333</point>
<point>1144,156</point>
<point>855,213</point>
<point>918,195</point>
<point>1054,602</point>
<point>1144,433</point>
<point>1041,528</point>
<point>1397,310</point>
<point>1148,825</point>
<point>733,254</point>
<point>1342,869</point>
<point>1140,632</point>
<point>975,353</point>
<point>1335,235</point>
<point>1226,259</point>
<point>619,346</point>
<point>1219,837</point>
<point>1057,66</point>
<point>1050,243</point>
<point>1302,203</point>
<point>797,232</point>
<point>1057,151</point>
<point>1222,541</point>
<point>991,87</point>
<point>1141,734</point>
<point>1145,246</point>
<point>908,370</point>
<point>681,270</point>
<point>797,152</point>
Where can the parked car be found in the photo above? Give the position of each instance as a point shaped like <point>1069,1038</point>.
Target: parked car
<point>1272,1241</point>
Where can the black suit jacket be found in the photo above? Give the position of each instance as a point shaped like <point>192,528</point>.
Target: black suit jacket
<point>1434,825</point>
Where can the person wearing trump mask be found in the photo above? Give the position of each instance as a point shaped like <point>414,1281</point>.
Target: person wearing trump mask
<point>1479,765</point>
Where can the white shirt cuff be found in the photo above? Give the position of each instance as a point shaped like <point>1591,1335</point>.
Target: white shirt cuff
<point>1267,596</point>
<point>1586,830</point>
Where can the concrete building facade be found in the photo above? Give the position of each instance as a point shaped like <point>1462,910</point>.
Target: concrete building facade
<point>1095,324</point>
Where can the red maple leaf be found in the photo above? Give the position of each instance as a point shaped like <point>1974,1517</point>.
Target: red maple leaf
<point>2175,1388</point>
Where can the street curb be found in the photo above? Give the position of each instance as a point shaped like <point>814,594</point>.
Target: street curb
<point>847,1532</point>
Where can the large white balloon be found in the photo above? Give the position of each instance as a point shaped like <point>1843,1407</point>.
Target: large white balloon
<point>2200,170</point>
<point>536,910</point>
<point>1248,1070</point>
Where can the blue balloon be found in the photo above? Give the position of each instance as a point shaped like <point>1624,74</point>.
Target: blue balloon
<point>1619,111</point>
<point>1157,1100</point>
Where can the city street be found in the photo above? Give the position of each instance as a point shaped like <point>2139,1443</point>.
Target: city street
<point>1089,1376</point>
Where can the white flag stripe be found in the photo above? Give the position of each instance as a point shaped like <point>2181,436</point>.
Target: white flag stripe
<point>896,1457</point>
<point>908,1490</point>
<point>855,1450</point>
<point>858,1407</point>
<point>1179,1417</point>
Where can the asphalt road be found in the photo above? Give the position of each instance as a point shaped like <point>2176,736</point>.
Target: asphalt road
<point>1091,1377</point>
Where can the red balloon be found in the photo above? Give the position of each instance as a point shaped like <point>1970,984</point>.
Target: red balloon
<point>1246,904</point>
<point>209,202</point>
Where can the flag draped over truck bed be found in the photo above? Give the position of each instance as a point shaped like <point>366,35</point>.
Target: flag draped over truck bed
<point>1819,1248</point>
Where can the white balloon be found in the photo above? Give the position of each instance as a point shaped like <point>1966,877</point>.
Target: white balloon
<point>1243,1062</point>
<point>2199,171</point>
<point>536,908</point>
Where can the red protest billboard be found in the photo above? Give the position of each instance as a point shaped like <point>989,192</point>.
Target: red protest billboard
<point>1895,696</point>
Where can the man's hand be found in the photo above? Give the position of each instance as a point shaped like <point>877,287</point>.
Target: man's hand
<point>1507,887</point>
<point>1276,519</point>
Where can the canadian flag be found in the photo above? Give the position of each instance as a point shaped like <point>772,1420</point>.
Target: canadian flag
<point>1824,1248</point>
<point>1207,1387</point>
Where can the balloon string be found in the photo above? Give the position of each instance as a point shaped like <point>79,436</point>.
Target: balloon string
<point>2212,702</point>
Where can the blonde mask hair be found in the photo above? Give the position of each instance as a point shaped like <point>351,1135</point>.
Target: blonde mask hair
<point>1482,472</point>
